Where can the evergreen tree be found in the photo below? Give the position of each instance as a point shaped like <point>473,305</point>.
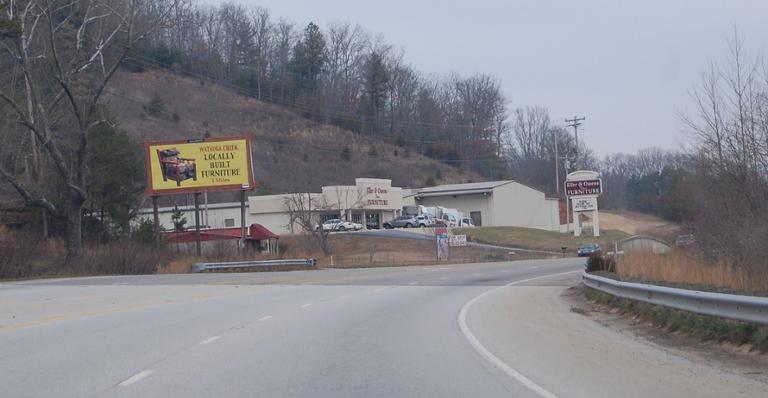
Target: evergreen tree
<point>178,219</point>
<point>375,84</point>
<point>117,176</point>
<point>309,57</point>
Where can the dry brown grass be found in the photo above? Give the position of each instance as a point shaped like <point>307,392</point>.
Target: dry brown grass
<point>179,265</point>
<point>367,251</point>
<point>687,268</point>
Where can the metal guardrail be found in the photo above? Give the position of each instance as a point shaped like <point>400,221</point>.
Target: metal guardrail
<point>201,267</point>
<point>741,308</point>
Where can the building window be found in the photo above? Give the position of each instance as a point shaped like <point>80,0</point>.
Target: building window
<point>477,218</point>
<point>328,216</point>
<point>229,222</point>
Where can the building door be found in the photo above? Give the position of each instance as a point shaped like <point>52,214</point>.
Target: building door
<point>477,218</point>
<point>373,220</point>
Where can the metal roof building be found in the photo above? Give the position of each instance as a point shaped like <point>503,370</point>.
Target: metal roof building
<point>493,203</point>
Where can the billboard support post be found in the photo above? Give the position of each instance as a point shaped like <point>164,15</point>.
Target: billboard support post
<point>198,248</point>
<point>242,216</point>
<point>156,214</point>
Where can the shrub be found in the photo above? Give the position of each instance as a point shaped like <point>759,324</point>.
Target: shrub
<point>144,232</point>
<point>372,152</point>
<point>26,256</point>
<point>346,153</point>
<point>760,339</point>
<point>156,106</point>
<point>597,262</point>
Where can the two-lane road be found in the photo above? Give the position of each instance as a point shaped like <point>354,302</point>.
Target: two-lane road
<point>383,332</point>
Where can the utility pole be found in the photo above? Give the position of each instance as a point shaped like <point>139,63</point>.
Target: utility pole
<point>567,166</point>
<point>575,123</point>
<point>557,165</point>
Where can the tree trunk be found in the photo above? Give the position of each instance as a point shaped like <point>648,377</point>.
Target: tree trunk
<point>74,238</point>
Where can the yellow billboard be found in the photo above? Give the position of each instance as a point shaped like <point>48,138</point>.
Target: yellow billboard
<point>212,164</point>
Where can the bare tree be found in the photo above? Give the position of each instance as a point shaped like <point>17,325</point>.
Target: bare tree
<point>61,54</point>
<point>304,211</point>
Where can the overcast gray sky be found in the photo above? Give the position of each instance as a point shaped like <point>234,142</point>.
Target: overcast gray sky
<point>625,65</point>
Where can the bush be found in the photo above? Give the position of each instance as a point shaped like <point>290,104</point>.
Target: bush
<point>156,106</point>
<point>26,256</point>
<point>124,258</point>
<point>346,153</point>
<point>597,262</point>
<point>22,255</point>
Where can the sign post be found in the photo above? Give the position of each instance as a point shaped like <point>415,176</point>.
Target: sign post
<point>156,215</point>
<point>582,189</point>
<point>441,240</point>
<point>198,245</point>
<point>242,216</point>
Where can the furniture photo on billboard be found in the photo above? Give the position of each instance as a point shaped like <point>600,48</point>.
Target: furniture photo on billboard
<point>176,168</point>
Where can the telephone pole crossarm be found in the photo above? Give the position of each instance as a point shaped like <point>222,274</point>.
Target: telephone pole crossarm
<point>575,123</point>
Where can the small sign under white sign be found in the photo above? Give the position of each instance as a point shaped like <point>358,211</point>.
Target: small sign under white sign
<point>584,204</point>
<point>457,240</point>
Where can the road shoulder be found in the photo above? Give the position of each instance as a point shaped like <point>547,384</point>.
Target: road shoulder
<point>533,330</point>
<point>736,358</point>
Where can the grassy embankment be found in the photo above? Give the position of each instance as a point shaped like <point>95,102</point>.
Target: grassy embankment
<point>705,328</point>
<point>536,239</point>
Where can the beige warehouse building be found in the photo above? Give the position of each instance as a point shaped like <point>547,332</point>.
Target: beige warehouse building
<point>493,203</point>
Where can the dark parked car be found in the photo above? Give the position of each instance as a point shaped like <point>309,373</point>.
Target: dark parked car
<point>587,249</point>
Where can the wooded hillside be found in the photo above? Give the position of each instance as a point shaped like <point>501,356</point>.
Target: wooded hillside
<point>291,153</point>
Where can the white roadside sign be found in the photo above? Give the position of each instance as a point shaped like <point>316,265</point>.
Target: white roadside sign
<point>457,240</point>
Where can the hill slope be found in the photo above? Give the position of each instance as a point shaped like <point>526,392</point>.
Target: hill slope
<point>291,153</point>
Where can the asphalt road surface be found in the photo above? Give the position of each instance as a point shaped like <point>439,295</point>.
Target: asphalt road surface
<point>472,330</point>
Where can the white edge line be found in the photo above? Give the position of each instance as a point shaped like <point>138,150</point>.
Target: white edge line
<point>210,340</point>
<point>487,355</point>
<point>264,318</point>
<point>306,305</point>
<point>136,377</point>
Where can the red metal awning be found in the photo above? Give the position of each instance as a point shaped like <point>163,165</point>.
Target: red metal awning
<point>255,232</point>
<point>260,232</point>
